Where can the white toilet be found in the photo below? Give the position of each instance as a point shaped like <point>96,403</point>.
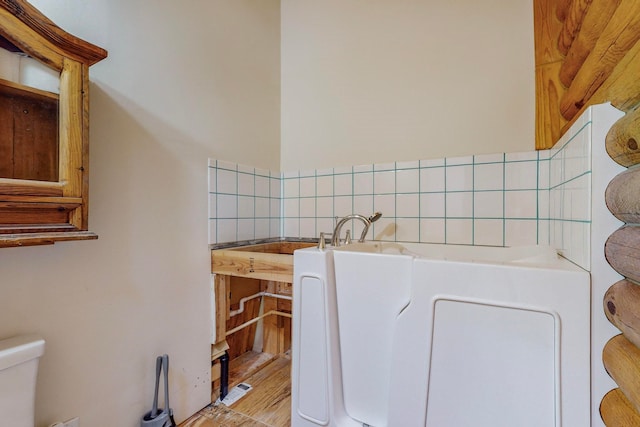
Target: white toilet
<point>19,357</point>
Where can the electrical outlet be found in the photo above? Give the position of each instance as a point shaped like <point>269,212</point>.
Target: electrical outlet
<point>73,422</point>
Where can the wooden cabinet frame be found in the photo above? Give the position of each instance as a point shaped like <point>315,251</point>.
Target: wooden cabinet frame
<point>43,212</point>
<point>247,270</point>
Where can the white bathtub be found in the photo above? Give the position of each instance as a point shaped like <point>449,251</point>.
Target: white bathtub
<point>388,334</point>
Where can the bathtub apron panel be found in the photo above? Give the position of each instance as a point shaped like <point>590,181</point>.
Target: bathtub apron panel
<point>372,289</point>
<point>435,335</point>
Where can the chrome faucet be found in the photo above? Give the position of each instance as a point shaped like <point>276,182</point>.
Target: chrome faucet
<point>335,238</point>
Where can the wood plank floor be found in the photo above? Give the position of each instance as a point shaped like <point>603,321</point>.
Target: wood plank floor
<point>268,404</point>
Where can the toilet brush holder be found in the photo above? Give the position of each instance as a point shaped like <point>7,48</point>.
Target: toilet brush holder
<point>161,419</point>
<point>157,417</point>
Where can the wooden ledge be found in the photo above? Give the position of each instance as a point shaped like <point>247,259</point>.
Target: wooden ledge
<point>269,261</point>
<point>35,239</point>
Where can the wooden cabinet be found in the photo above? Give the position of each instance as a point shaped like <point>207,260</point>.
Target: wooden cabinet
<point>44,132</point>
<point>264,270</point>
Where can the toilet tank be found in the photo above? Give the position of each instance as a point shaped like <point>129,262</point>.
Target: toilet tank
<point>19,358</point>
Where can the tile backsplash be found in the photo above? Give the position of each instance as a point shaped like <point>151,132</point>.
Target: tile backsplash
<point>538,197</point>
<point>244,202</point>
<point>569,194</point>
<point>463,200</point>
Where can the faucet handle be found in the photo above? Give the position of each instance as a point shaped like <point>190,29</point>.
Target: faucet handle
<point>376,216</point>
<point>347,237</point>
<point>321,240</point>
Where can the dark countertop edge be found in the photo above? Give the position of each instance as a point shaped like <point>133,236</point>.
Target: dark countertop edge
<point>227,245</point>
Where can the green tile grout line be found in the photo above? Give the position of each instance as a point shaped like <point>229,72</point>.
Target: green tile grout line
<point>504,197</point>
<point>473,200</point>
<point>395,199</point>
<point>445,200</point>
<point>419,203</point>
<point>237,203</point>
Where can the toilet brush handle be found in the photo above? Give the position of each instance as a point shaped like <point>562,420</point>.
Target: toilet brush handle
<point>154,408</point>
<point>165,365</point>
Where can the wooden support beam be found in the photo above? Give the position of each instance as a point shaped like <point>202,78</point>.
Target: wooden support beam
<point>547,29</point>
<point>621,89</point>
<point>619,36</point>
<point>270,325</point>
<point>572,23</point>
<point>221,300</point>
<point>595,20</point>
<point>549,90</point>
<point>562,9</point>
<point>621,304</point>
<point>549,121</point>
<point>622,361</point>
<point>270,261</point>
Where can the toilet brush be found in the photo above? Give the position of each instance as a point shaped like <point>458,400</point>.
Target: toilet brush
<point>154,407</point>
<point>159,417</point>
<point>165,366</point>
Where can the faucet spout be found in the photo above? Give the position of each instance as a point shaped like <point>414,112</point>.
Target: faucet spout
<point>335,238</point>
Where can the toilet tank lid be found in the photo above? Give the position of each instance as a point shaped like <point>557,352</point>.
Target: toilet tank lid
<point>20,349</point>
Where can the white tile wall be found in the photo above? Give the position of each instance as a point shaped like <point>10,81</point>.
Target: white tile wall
<point>432,230</point>
<point>537,197</point>
<point>432,179</point>
<point>459,231</point>
<point>408,206</point>
<point>434,200</point>
<point>488,232</point>
<point>520,175</point>
<point>362,182</point>
<point>489,176</point>
<point>459,205</point>
<point>408,180</point>
<point>244,202</point>
<point>325,185</point>
<point>407,228</point>
<point>384,182</point>
<point>488,204</point>
<point>427,201</point>
<point>432,205</point>
<point>569,201</point>
<point>459,178</point>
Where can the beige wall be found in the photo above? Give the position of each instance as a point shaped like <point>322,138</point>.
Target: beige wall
<point>367,81</point>
<point>184,81</point>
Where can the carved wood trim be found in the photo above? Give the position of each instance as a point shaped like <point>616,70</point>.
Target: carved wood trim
<point>69,44</point>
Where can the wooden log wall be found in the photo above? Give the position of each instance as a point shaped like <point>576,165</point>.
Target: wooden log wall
<point>621,355</point>
<point>588,52</point>
<point>585,51</point>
